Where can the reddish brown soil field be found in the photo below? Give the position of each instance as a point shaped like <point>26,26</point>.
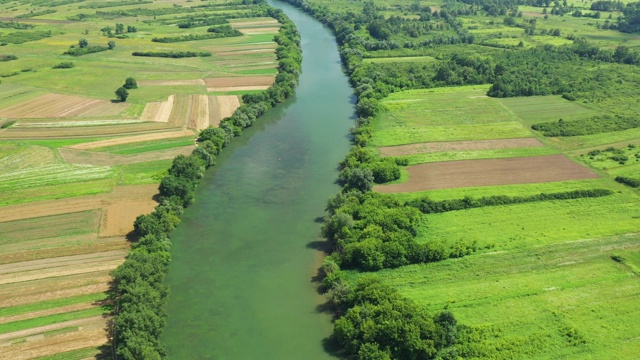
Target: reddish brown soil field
<point>430,147</point>
<point>466,173</point>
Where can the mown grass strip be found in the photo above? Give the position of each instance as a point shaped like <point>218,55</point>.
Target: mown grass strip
<point>49,320</point>
<point>136,148</point>
<point>51,304</point>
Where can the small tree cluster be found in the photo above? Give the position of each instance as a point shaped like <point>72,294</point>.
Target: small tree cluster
<point>122,92</point>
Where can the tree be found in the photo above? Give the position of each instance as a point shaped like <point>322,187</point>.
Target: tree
<point>119,28</point>
<point>130,83</point>
<point>83,43</point>
<point>111,44</point>
<point>122,94</point>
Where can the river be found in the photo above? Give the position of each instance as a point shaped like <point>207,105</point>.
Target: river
<point>243,256</point>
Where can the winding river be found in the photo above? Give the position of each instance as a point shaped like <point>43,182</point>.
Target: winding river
<point>244,255</point>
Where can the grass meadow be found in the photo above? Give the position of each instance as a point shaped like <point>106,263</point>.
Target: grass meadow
<point>416,116</point>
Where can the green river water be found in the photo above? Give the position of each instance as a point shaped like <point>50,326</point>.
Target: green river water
<point>243,256</point>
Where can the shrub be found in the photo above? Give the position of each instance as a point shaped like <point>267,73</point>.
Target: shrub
<point>64,65</point>
<point>130,83</point>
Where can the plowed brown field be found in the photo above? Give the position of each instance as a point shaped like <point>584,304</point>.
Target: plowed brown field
<point>431,147</point>
<point>466,173</point>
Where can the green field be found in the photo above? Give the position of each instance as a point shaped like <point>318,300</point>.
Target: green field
<point>140,147</point>
<point>417,116</point>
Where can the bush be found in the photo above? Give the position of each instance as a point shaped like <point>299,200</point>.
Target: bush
<point>8,58</point>
<point>64,65</point>
<point>593,125</point>
<point>634,183</point>
<point>172,54</point>
<point>122,94</point>
<point>74,51</point>
<point>130,83</point>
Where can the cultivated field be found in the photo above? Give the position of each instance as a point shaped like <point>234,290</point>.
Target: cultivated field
<point>80,166</point>
<point>239,83</point>
<point>55,105</point>
<point>466,173</point>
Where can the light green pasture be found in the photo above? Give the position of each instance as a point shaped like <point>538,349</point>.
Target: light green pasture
<point>444,114</point>
<point>536,224</point>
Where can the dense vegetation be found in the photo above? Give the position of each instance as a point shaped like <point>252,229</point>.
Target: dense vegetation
<point>592,125</point>
<point>634,183</point>
<point>140,292</point>
<point>172,54</point>
<point>214,33</point>
<point>15,25</point>
<point>83,48</point>
<point>381,324</point>
<point>20,37</point>
<point>64,65</point>
<point>35,13</point>
<point>4,58</point>
<point>113,4</point>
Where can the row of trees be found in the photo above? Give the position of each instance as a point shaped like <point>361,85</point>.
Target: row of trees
<point>140,292</point>
<point>172,54</point>
<point>593,125</point>
<point>214,33</point>
<point>84,48</point>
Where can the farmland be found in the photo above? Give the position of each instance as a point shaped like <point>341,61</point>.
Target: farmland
<point>458,202</point>
<point>79,166</point>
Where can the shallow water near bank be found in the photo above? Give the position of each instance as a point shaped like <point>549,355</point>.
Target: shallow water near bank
<point>243,256</point>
